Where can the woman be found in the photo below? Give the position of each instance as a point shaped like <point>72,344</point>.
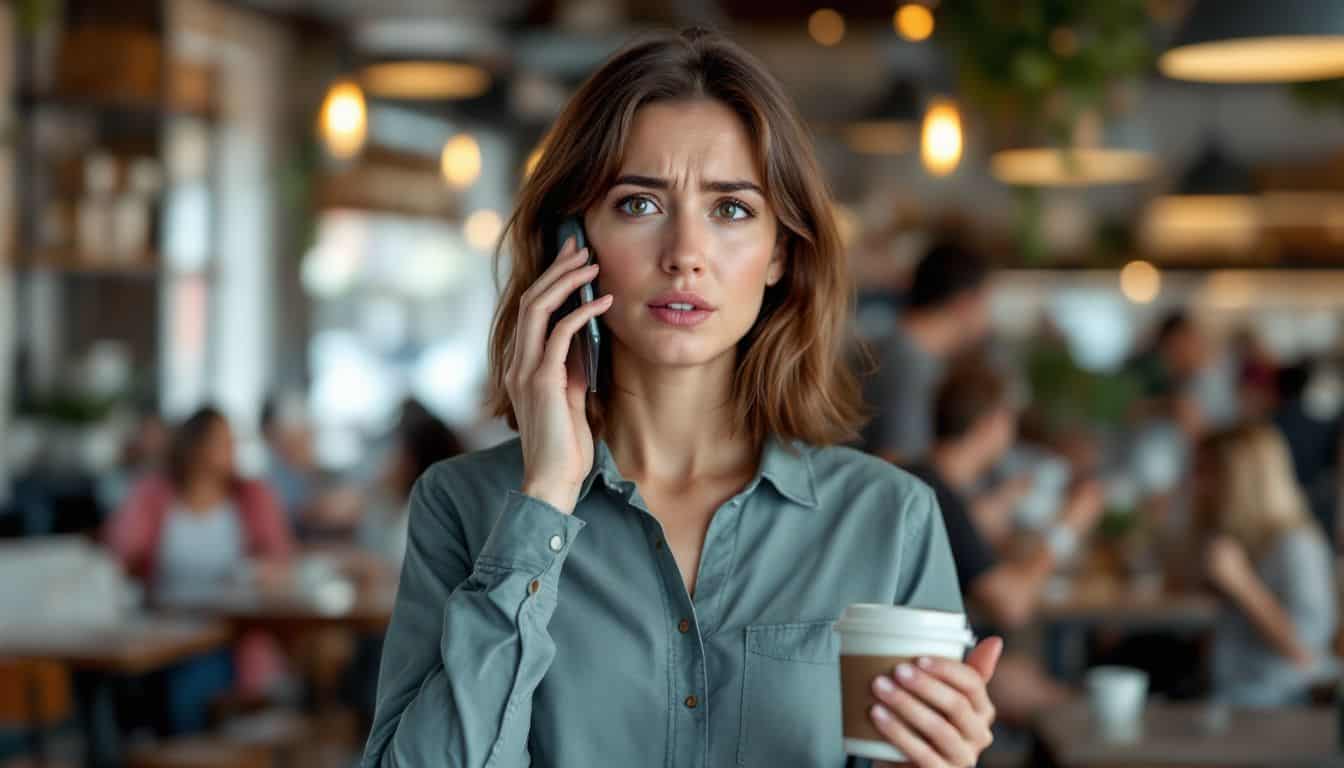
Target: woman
<point>649,574</point>
<point>382,529</point>
<point>184,533</point>
<point>1272,565</point>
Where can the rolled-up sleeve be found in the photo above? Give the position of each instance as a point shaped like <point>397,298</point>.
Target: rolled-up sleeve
<point>468,643</point>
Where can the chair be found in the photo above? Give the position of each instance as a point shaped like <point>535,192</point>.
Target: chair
<point>34,696</point>
<point>34,693</point>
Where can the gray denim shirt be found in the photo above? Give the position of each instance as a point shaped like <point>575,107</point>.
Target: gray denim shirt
<point>524,636</point>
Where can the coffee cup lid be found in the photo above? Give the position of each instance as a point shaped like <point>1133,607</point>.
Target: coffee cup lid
<point>884,619</point>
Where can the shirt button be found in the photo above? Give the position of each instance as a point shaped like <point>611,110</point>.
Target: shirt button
<point>557,543</point>
<point>684,626</point>
<point>534,587</point>
<point>691,701</point>
<point>658,545</point>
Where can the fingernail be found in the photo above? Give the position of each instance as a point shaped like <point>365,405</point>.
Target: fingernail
<point>925,663</point>
<point>905,672</point>
<point>881,714</point>
<point>883,684</point>
<point>608,298</point>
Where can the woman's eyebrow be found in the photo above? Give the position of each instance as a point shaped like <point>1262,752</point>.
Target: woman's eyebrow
<point>653,182</point>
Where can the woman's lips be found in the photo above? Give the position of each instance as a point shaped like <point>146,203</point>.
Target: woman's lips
<point>682,318</point>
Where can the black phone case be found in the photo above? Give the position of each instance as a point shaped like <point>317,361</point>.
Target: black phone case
<point>590,338</point>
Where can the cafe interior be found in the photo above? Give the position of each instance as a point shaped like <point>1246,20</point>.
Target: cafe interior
<point>263,239</point>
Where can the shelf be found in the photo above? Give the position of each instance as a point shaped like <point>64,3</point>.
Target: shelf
<point>75,264</point>
<point>130,109</point>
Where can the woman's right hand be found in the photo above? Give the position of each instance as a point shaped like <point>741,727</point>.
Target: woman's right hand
<point>548,395</point>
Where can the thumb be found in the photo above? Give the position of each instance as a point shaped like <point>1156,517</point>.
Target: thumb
<point>984,658</point>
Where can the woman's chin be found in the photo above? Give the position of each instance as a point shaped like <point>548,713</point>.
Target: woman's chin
<point>678,353</point>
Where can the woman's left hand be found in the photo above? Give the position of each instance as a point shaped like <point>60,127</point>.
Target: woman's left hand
<point>937,711</point>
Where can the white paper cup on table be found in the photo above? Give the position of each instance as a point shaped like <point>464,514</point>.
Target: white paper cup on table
<point>1116,696</point>
<point>874,639</point>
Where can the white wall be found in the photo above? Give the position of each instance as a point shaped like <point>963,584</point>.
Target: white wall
<point>251,54</point>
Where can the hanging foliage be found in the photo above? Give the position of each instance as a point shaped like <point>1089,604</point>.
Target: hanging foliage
<point>1045,62</point>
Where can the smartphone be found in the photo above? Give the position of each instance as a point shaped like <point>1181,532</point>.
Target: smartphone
<point>590,338</point>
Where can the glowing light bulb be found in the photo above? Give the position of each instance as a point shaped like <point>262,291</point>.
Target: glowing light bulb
<point>826,26</point>
<point>460,161</point>
<point>913,22</point>
<point>941,139</point>
<point>344,119</point>
<point>482,228</point>
<point>1140,282</point>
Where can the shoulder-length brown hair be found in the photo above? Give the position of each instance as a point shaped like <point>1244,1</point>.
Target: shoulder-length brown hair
<point>184,449</point>
<point>791,380</point>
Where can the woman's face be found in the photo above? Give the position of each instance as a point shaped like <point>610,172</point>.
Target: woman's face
<point>685,238</point>
<point>216,451</point>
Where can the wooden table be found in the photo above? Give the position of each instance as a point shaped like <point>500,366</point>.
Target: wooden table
<point>299,616</point>
<point>99,653</point>
<point>1182,734</point>
<point>348,589</point>
<point>1128,609</point>
<point>137,645</point>
<point>1067,617</point>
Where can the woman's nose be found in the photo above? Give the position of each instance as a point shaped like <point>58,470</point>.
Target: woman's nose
<point>684,252</point>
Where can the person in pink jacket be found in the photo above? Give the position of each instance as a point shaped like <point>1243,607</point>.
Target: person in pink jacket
<point>186,531</point>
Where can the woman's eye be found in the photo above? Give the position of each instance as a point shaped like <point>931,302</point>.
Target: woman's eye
<point>637,206</point>
<point>731,210</point>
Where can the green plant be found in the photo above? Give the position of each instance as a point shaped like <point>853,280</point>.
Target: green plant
<point>1064,394</point>
<point>70,408</point>
<point>1045,62</point>
<point>33,15</point>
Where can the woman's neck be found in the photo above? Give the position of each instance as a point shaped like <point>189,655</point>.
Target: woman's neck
<point>673,425</point>
<point>202,492</point>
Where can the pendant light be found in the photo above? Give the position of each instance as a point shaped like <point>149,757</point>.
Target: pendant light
<point>1258,41</point>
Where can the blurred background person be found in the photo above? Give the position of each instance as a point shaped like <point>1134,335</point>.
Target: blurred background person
<point>1312,432</point>
<point>1167,373</point>
<point>1257,374</point>
<point>421,441</point>
<point>191,530</point>
<point>321,509</point>
<point>1272,566</point>
<point>974,425</point>
<point>945,311</point>
<point>290,467</point>
<point>144,452</point>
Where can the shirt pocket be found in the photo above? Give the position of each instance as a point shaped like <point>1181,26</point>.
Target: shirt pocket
<point>791,697</point>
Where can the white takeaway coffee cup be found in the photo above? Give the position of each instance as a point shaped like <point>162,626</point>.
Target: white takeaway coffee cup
<point>874,639</point>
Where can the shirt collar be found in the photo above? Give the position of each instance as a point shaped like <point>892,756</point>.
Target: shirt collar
<point>788,467</point>
<point>604,469</point>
